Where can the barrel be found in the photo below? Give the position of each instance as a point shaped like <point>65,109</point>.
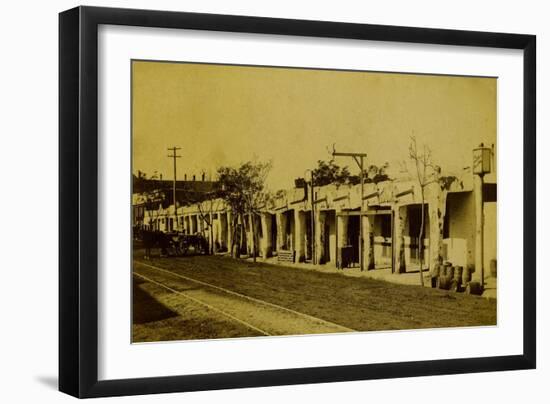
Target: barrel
<point>446,268</point>
<point>466,275</point>
<point>473,288</point>
<point>436,271</point>
<point>450,272</point>
<point>443,282</point>
<point>458,274</point>
<point>454,286</point>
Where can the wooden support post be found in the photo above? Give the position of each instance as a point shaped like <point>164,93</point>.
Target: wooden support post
<point>400,219</point>
<point>342,237</point>
<point>368,250</point>
<point>299,235</point>
<point>437,211</point>
<point>266,247</point>
<point>320,217</point>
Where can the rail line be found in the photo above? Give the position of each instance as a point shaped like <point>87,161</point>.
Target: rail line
<point>339,327</point>
<point>209,306</point>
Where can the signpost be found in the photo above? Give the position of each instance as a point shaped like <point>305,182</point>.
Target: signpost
<point>359,159</point>
<point>481,166</point>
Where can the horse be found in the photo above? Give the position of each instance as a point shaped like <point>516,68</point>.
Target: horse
<point>154,239</point>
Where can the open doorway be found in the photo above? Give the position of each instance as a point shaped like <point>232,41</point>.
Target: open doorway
<point>382,239</point>
<point>353,240</point>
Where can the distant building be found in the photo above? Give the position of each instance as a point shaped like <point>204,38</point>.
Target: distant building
<point>152,194</point>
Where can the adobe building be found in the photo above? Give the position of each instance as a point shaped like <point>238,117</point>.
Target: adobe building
<point>322,226</point>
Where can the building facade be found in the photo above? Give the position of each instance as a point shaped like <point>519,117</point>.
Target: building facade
<point>324,225</point>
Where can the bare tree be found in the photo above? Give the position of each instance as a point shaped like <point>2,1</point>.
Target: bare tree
<point>425,171</point>
<point>206,215</point>
<point>255,196</point>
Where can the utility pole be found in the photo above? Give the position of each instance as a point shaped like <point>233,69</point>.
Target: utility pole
<point>358,157</point>
<point>175,156</point>
<point>312,226</point>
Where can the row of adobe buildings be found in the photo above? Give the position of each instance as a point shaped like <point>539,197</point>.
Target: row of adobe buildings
<point>323,226</point>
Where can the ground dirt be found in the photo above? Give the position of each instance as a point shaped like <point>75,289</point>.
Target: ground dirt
<point>316,302</point>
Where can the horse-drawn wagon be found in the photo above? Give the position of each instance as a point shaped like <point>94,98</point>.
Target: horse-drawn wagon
<point>173,244</point>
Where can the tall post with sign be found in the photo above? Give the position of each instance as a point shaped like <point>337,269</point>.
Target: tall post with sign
<point>481,166</point>
<point>359,159</point>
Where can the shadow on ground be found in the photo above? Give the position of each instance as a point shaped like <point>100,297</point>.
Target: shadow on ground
<point>147,309</point>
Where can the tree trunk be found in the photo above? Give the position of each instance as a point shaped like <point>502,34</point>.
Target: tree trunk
<point>211,239</point>
<point>234,235</point>
<point>253,227</point>
<point>421,242</point>
<point>242,235</point>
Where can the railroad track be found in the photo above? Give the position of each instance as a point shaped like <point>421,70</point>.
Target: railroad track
<point>263,317</point>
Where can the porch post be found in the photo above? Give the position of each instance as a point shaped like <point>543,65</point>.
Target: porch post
<point>342,232</point>
<point>320,217</point>
<point>266,247</point>
<point>400,220</point>
<point>229,220</point>
<point>281,231</point>
<point>368,251</point>
<point>223,229</point>
<point>299,235</point>
<point>436,210</point>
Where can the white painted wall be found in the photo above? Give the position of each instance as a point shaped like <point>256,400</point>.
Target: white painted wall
<point>28,128</point>
<point>489,241</point>
<point>462,227</point>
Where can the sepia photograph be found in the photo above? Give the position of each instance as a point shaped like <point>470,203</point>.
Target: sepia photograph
<point>278,201</point>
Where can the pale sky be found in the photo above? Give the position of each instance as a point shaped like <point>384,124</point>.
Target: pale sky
<point>225,115</point>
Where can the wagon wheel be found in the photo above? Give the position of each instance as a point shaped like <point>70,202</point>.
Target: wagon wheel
<point>175,247</point>
<point>183,247</point>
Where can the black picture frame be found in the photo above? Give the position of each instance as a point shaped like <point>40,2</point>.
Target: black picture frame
<point>78,196</point>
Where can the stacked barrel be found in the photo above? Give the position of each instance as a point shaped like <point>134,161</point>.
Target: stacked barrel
<point>454,278</point>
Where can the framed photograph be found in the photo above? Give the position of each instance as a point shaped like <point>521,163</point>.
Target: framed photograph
<point>250,201</point>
